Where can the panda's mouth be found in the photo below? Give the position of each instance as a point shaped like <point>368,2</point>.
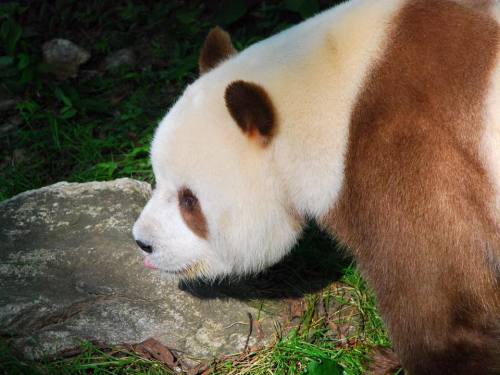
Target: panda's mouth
<point>149,264</point>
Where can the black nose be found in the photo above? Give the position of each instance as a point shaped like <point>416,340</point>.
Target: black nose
<point>144,247</point>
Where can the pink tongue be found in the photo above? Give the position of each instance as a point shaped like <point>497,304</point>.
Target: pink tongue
<point>148,264</point>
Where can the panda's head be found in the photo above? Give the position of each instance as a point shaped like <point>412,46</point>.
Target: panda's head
<point>219,206</point>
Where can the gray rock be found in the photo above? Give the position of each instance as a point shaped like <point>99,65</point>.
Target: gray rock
<point>8,104</point>
<point>64,57</point>
<point>122,57</point>
<point>11,124</point>
<point>70,270</point>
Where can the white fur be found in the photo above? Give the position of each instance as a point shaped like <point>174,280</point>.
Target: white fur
<point>490,145</point>
<point>316,97</point>
<point>313,73</point>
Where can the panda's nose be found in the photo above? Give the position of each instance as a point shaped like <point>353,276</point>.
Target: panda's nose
<point>144,247</point>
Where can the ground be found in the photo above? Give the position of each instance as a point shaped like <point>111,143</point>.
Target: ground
<point>98,126</point>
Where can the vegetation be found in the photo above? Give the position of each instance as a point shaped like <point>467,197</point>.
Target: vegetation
<point>98,126</point>
<point>90,359</point>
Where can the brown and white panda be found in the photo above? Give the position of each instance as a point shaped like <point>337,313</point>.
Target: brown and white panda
<point>381,121</point>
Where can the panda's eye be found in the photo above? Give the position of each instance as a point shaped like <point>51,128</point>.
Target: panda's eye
<point>187,200</point>
<point>191,212</point>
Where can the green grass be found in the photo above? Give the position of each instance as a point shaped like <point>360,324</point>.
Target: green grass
<point>90,359</point>
<point>312,342</point>
<point>99,127</point>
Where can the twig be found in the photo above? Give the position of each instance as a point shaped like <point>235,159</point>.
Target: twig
<point>250,329</point>
<point>235,323</point>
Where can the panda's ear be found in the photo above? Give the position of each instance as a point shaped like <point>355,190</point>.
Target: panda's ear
<point>217,48</point>
<point>252,109</point>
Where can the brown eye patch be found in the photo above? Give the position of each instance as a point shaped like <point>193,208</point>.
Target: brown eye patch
<point>191,213</point>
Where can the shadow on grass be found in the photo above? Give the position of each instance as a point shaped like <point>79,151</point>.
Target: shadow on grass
<point>315,262</point>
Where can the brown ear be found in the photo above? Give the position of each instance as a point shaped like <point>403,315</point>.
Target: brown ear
<point>217,48</point>
<point>252,109</point>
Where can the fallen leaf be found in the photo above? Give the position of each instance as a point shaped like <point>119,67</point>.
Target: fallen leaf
<point>153,349</point>
<point>260,331</point>
<point>200,369</point>
<point>297,308</point>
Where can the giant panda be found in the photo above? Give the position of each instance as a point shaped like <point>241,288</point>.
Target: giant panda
<point>381,121</point>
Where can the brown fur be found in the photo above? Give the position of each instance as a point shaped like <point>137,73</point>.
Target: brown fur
<point>192,213</point>
<point>252,109</point>
<point>415,204</point>
<point>385,362</point>
<point>217,48</point>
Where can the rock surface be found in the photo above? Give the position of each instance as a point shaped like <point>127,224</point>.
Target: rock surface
<point>70,270</point>
<point>122,57</point>
<point>63,57</point>
<point>10,125</point>
<point>8,104</point>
